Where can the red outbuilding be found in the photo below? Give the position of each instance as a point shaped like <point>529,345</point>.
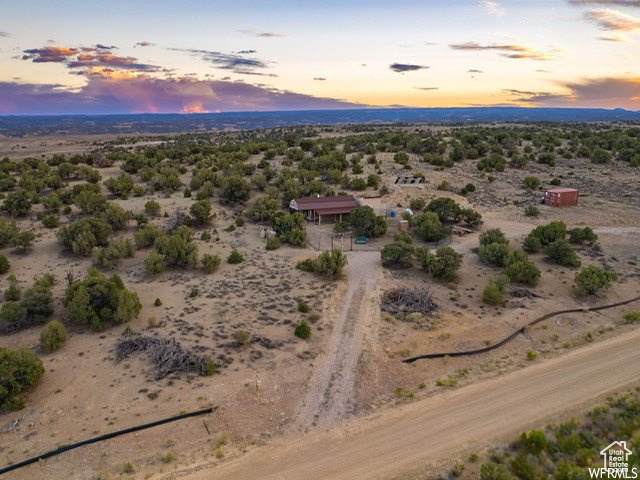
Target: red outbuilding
<point>561,197</point>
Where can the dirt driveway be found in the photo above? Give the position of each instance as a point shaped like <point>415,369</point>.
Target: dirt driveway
<point>330,394</point>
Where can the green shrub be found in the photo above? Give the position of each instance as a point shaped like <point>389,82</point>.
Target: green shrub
<point>397,255</point>
<point>53,336</point>
<point>23,241</point>
<point>631,317</point>
<point>157,303</point>
<point>178,248</point>
<point>493,254</point>
<point>8,229</point>
<point>561,253</point>
<point>428,227</point>
<point>591,279</point>
<point>273,243</point>
<point>494,235</point>
<point>146,236</point>
<point>417,204</point>
<point>494,471</point>
<point>331,264</point>
<point>543,235</point>
<point>235,257</point>
<point>493,163</point>
<point>154,263</point>
<point>582,235</point>
<point>340,227</point>
<point>600,156</point>
<point>4,264</point>
<point>19,371</point>
<point>120,186</point>
<point>307,265</point>
<point>107,258</point>
<point>50,221</point>
<point>241,337</point>
<point>446,208</point>
<point>12,315</point>
<point>97,301</point>
<point>90,202</point>
<point>523,271</point>
<point>366,223</point>
<point>18,203</point>
<point>234,189</point>
<point>531,183</point>
<point>302,330</point>
<point>12,293</point>
<point>82,236</point>
<point>263,208</point>
<point>531,211</point>
<point>468,188</point>
<point>210,263</point>
<point>443,265</point>
<point>38,300</point>
<point>152,208</point>
<point>492,295</point>
<point>547,158</point>
<point>535,442</point>
<point>471,217</point>
<point>200,212</point>
<point>532,244</point>
<point>289,228</point>
<point>403,237</point>
<point>116,216</point>
<point>303,307</point>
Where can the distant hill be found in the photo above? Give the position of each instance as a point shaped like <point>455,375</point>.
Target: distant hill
<point>13,125</point>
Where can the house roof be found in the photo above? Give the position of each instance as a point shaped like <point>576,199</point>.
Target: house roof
<point>562,190</point>
<point>343,202</point>
<point>333,211</point>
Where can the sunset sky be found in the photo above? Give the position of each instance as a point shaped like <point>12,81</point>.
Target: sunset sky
<point>207,56</point>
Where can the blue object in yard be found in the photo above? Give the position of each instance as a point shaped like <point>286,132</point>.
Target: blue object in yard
<point>393,214</point>
<point>361,240</point>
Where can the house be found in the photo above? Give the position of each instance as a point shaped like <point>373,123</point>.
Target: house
<point>561,197</point>
<point>315,208</point>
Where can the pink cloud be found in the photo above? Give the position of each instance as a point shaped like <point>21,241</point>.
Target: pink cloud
<point>105,94</point>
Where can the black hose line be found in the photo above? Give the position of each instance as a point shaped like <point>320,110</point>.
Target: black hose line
<point>520,331</point>
<point>107,436</point>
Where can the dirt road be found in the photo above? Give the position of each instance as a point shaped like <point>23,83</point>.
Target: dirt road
<point>419,434</point>
<point>330,394</point>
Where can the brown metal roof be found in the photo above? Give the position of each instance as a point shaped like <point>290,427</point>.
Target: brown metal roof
<point>333,211</point>
<point>323,203</point>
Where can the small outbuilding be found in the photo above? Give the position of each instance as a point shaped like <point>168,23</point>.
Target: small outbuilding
<point>561,197</point>
<point>315,208</point>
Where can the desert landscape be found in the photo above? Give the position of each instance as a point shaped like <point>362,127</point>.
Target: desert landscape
<point>153,276</point>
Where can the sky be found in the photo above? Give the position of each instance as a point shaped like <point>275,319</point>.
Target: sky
<point>191,56</point>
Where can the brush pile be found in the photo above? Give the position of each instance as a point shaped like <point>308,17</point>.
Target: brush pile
<point>408,300</point>
<point>166,355</point>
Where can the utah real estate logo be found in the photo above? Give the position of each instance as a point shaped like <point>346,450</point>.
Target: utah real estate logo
<point>616,463</point>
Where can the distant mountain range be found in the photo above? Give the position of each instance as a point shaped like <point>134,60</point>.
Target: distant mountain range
<point>15,125</point>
